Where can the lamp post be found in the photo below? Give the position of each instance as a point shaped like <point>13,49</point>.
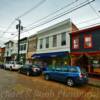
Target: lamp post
<point>19,27</point>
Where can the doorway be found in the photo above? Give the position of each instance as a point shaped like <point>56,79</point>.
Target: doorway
<point>83,62</point>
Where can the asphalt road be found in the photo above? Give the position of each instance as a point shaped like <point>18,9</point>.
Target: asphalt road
<point>15,86</point>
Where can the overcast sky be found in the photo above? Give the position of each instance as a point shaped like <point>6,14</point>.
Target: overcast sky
<point>11,9</point>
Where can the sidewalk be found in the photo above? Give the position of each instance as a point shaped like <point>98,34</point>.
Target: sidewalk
<point>94,82</point>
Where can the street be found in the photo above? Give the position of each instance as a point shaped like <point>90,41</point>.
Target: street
<point>15,86</point>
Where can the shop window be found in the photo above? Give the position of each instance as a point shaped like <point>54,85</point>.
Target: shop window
<point>47,42</point>
<point>75,42</point>
<point>96,64</point>
<point>63,38</point>
<point>54,40</point>
<point>88,41</point>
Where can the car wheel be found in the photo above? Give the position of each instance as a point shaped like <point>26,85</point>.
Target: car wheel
<point>70,82</point>
<point>10,68</point>
<point>28,73</point>
<point>47,77</point>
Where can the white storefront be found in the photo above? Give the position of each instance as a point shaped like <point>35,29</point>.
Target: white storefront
<point>54,41</point>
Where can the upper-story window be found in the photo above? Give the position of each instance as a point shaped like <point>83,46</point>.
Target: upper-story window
<point>88,41</point>
<point>54,40</point>
<point>11,44</point>
<point>63,38</point>
<point>7,45</point>
<point>75,42</point>
<point>41,43</point>
<point>47,42</point>
<point>22,47</point>
<point>11,50</point>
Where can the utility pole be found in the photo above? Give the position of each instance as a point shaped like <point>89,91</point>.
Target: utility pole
<point>19,27</point>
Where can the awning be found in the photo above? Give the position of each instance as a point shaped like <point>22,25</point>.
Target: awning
<point>85,53</point>
<point>50,55</point>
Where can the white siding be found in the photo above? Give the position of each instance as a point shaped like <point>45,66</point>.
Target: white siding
<point>55,31</point>
<point>10,49</point>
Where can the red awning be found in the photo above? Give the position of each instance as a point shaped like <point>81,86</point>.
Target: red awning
<point>85,53</point>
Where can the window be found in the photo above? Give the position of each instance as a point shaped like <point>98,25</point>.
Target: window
<point>20,47</point>
<point>58,69</point>
<point>41,43</point>
<point>7,53</point>
<point>75,42</point>
<point>73,69</point>
<point>88,41</point>
<point>11,50</point>
<point>24,47</point>
<point>65,69</point>
<point>11,44</point>
<point>47,42</point>
<point>63,39</point>
<point>54,40</point>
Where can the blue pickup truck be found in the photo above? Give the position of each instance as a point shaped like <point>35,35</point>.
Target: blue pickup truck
<point>71,75</point>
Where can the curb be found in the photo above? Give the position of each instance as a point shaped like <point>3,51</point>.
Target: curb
<point>94,85</point>
<point>94,82</point>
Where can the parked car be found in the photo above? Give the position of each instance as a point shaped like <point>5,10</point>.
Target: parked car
<point>30,69</point>
<point>12,65</point>
<point>70,75</point>
<point>1,65</point>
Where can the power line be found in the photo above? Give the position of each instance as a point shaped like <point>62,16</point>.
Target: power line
<point>51,14</point>
<point>76,24</point>
<point>93,9</point>
<point>25,13</point>
<point>33,8</point>
<point>47,15</point>
<point>10,25</point>
<point>62,14</point>
<point>76,30</point>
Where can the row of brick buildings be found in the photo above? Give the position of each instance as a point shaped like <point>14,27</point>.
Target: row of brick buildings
<point>61,44</point>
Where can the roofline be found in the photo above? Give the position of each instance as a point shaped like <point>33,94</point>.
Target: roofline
<point>55,25</point>
<point>85,30</point>
<point>33,35</point>
<point>9,41</point>
<point>24,38</point>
